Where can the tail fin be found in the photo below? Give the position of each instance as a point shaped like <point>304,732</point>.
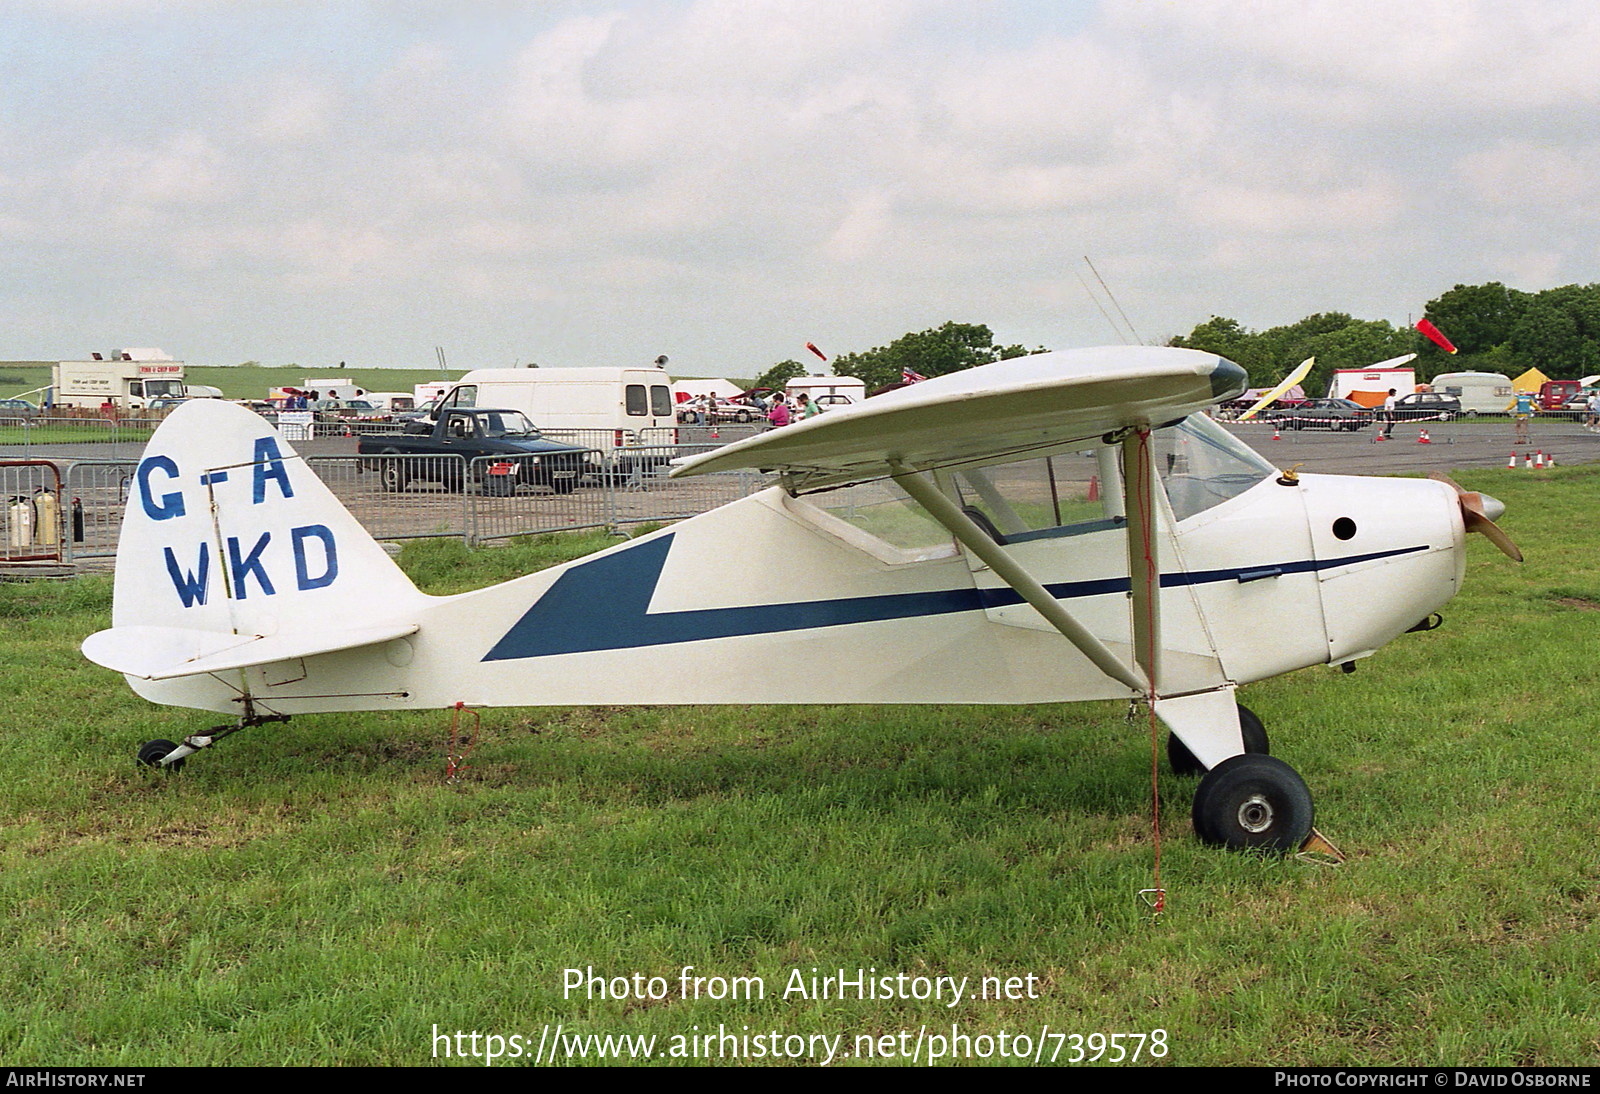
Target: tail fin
<point>234,553</point>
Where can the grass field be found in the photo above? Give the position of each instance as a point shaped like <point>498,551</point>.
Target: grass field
<point>319,893</point>
<point>242,381</point>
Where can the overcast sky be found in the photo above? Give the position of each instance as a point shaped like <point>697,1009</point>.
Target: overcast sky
<point>601,181</point>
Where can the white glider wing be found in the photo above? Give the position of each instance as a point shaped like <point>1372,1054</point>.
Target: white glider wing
<point>1008,409</point>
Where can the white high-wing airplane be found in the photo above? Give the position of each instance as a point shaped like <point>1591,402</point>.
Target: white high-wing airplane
<point>1065,526</point>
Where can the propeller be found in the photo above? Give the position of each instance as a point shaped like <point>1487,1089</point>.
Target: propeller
<point>1475,515</point>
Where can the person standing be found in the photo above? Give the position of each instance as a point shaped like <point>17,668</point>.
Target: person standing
<point>1521,411</point>
<point>778,416</point>
<point>1388,414</point>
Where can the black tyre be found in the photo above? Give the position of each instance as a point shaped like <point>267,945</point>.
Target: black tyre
<point>742,417</point>
<point>1253,803</point>
<point>152,752</point>
<point>564,486</point>
<point>1469,415</point>
<point>1183,762</point>
<point>396,476</point>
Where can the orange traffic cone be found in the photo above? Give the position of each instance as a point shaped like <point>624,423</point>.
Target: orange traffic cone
<point>1538,460</point>
<point>1512,462</point>
<point>1551,462</point>
<point>1275,434</point>
<point>1094,488</point>
<point>1422,438</point>
<point>1527,462</point>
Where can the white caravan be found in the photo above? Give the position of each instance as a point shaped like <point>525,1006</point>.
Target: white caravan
<point>1479,392</point>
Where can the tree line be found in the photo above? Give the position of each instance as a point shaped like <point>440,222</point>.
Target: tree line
<point>1494,329</point>
<point>935,352</point>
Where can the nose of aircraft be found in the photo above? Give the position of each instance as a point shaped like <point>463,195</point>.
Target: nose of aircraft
<point>1478,513</point>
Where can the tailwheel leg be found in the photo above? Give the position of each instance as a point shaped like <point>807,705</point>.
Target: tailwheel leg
<point>170,756</point>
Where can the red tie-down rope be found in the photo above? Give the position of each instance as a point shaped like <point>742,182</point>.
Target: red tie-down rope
<point>460,746</point>
<point>1144,489</point>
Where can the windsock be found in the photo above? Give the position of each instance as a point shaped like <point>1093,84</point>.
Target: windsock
<point>1433,334</point>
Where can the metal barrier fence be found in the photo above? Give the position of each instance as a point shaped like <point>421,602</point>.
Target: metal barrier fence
<point>400,497</point>
<point>20,435</point>
<point>415,497</point>
<point>98,492</point>
<point>33,523</point>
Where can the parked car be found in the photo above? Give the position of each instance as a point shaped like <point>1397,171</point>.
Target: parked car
<point>1431,406</point>
<point>525,457</point>
<point>17,408</point>
<point>1321,414</point>
<point>725,410</point>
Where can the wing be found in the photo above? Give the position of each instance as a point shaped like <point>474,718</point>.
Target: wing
<point>1022,406</point>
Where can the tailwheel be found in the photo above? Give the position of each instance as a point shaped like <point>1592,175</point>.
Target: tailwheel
<point>151,753</point>
<point>1253,802</point>
<point>1183,761</point>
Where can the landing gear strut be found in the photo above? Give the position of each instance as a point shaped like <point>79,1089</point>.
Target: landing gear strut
<point>1183,761</point>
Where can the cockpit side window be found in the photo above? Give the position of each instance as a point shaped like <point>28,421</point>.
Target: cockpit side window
<point>1070,493</point>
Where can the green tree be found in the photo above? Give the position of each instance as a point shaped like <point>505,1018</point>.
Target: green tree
<point>1335,339</point>
<point>1476,318</point>
<point>780,374</point>
<point>936,352</point>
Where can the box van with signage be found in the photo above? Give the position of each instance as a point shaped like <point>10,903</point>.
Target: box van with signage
<point>600,408</point>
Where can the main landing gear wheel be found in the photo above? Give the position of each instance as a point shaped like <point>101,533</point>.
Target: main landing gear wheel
<point>1183,761</point>
<point>1253,803</point>
<point>152,752</point>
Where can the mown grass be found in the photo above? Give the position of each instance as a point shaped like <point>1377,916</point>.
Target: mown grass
<point>318,893</point>
<point>91,433</point>
<point>247,381</point>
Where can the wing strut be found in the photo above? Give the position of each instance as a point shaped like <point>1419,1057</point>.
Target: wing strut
<point>1144,567</point>
<point>975,539</point>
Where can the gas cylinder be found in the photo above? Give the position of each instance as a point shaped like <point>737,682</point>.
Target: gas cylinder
<point>46,518</point>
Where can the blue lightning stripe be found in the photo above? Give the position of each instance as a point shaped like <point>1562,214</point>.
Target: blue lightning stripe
<point>604,605</point>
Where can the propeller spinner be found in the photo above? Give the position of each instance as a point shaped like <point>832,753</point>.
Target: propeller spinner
<point>1475,508</point>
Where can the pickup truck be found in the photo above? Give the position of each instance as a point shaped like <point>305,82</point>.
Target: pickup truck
<point>526,457</point>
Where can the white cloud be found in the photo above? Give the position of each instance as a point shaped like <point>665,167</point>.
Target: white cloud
<point>687,171</point>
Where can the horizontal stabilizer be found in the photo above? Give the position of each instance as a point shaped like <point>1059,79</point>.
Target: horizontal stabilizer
<point>990,413</point>
<point>166,653</point>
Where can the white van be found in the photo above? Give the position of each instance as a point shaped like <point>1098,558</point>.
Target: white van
<point>600,408</point>
<point>391,402</point>
<point>1479,392</point>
